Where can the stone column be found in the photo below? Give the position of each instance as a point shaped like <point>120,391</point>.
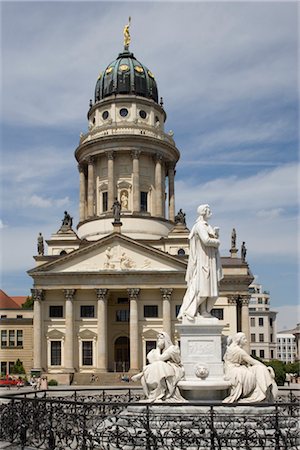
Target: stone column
<point>133,329</point>
<point>110,180</point>
<point>38,296</point>
<point>158,185</point>
<point>245,328</point>
<point>171,174</point>
<point>136,180</point>
<point>69,326</point>
<point>91,181</point>
<point>233,301</point>
<point>102,295</point>
<point>166,298</point>
<point>82,193</point>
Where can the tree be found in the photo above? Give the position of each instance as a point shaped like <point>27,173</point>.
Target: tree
<point>279,369</point>
<point>28,304</point>
<point>18,367</point>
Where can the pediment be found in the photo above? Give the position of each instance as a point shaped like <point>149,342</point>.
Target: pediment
<point>87,334</point>
<point>115,253</point>
<point>55,334</point>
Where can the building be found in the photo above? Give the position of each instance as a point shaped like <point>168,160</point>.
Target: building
<point>288,345</point>
<point>16,332</point>
<point>263,326</point>
<point>102,293</point>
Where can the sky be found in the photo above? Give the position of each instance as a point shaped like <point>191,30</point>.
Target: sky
<point>227,72</point>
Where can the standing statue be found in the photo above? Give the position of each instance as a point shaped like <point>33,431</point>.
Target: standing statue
<point>67,220</point>
<point>251,381</point>
<point>126,34</point>
<point>116,207</point>
<point>40,244</point>
<point>180,217</point>
<point>124,200</point>
<point>243,252</point>
<point>161,376</point>
<point>204,269</point>
<point>233,238</point>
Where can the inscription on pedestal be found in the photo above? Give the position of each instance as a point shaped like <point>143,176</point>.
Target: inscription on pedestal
<point>204,348</point>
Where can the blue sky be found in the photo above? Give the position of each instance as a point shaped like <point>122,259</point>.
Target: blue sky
<point>228,74</point>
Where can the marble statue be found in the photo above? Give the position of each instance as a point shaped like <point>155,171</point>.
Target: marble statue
<point>124,200</point>
<point>204,269</point>
<point>233,238</point>
<point>108,261</point>
<point>251,381</point>
<point>243,252</point>
<point>116,208</point>
<point>160,377</point>
<point>40,244</point>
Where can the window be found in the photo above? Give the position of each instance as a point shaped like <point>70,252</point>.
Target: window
<point>272,354</point>
<point>56,311</point>
<point>181,252</point>
<point>11,338</point>
<point>252,337</point>
<point>252,321</point>
<point>143,114</point>
<point>55,353</point>
<point>252,309</point>
<point>3,316</point>
<point>3,367</point>
<point>104,201</point>
<point>150,345</point>
<point>260,301</point>
<point>218,313</point>
<point>261,337</point>
<point>253,352</point>
<point>150,311</point>
<point>177,309</point>
<point>122,315</point>
<point>271,337</point>
<point>3,338</point>
<point>261,321</point>
<point>123,300</point>
<point>123,112</point>
<point>19,316</point>
<point>144,201</point>
<point>271,321</point>
<point>10,366</point>
<point>261,353</point>
<point>87,311</point>
<point>87,353</point>
<point>19,338</point>
<point>105,115</point>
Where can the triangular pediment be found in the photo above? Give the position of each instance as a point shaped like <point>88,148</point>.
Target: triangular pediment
<point>114,253</point>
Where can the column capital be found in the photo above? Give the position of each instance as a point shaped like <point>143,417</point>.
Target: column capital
<point>133,293</point>
<point>232,299</point>
<point>102,294</point>
<point>110,154</point>
<point>38,294</point>
<point>90,160</point>
<point>69,293</point>
<point>80,168</point>
<point>171,166</point>
<point>245,299</point>
<point>158,157</point>
<point>135,154</point>
<point>166,293</point>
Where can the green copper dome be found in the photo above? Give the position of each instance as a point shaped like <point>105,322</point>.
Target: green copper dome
<point>126,75</point>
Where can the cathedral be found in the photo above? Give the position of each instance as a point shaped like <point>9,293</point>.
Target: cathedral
<point>107,287</point>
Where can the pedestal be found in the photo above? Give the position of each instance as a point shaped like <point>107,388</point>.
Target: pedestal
<point>201,356</point>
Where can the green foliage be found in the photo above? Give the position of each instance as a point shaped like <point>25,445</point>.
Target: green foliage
<point>18,368</point>
<point>279,369</point>
<point>293,368</point>
<point>28,304</point>
<point>52,383</point>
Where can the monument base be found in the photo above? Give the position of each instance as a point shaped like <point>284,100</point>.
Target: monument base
<point>201,357</point>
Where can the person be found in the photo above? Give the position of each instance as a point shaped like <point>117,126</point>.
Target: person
<point>116,207</point>
<point>40,244</point>
<point>204,269</point>
<point>233,238</point>
<point>251,381</point>
<point>44,383</point>
<point>243,252</point>
<point>161,376</point>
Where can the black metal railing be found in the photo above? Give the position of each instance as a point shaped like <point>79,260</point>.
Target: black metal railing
<point>113,419</point>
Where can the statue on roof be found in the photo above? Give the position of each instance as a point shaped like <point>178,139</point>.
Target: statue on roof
<point>40,244</point>
<point>126,33</point>
<point>180,218</point>
<point>67,220</point>
<point>243,252</point>
<point>116,208</point>
<point>233,238</point>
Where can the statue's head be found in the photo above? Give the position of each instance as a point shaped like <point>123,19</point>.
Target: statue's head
<point>163,340</point>
<point>202,371</point>
<point>204,211</point>
<point>240,339</point>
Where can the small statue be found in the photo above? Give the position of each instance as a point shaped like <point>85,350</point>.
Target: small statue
<point>161,376</point>
<point>124,200</point>
<point>251,381</point>
<point>108,262</point>
<point>40,244</point>
<point>243,252</point>
<point>233,238</point>
<point>126,33</point>
<point>180,218</point>
<point>67,220</point>
<point>116,208</point>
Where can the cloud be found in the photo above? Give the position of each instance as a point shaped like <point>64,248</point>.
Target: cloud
<point>288,316</point>
<point>2,225</point>
<point>39,202</point>
<point>270,213</point>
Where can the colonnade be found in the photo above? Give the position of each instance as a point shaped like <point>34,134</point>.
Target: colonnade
<point>162,169</point>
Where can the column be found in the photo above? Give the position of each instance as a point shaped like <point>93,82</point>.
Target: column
<point>171,174</point>
<point>136,180</point>
<point>90,195</point>
<point>233,301</point>
<point>102,295</point>
<point>69,326</point>
<point>133,329</point>
<point>158,185</point>
<point>38,297</point>
<point>166,298</point>
<point>82,193</point>
<point>110,180</point>
<point>245,326</point>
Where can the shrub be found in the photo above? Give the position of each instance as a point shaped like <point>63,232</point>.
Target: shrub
<point>28,304</point>
<point>52,383</point>
<point>279,369</point>
<point>18,368</point>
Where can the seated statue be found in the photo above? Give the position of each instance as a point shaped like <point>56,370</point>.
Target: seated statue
<point>161,376</point>
<point>251,381</point>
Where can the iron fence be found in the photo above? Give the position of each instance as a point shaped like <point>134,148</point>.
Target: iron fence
<point>115,420</point>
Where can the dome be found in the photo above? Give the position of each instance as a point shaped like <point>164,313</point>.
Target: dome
<point>126,75</point>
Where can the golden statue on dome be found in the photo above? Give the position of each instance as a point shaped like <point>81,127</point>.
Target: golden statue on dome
<point>126,33</point>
